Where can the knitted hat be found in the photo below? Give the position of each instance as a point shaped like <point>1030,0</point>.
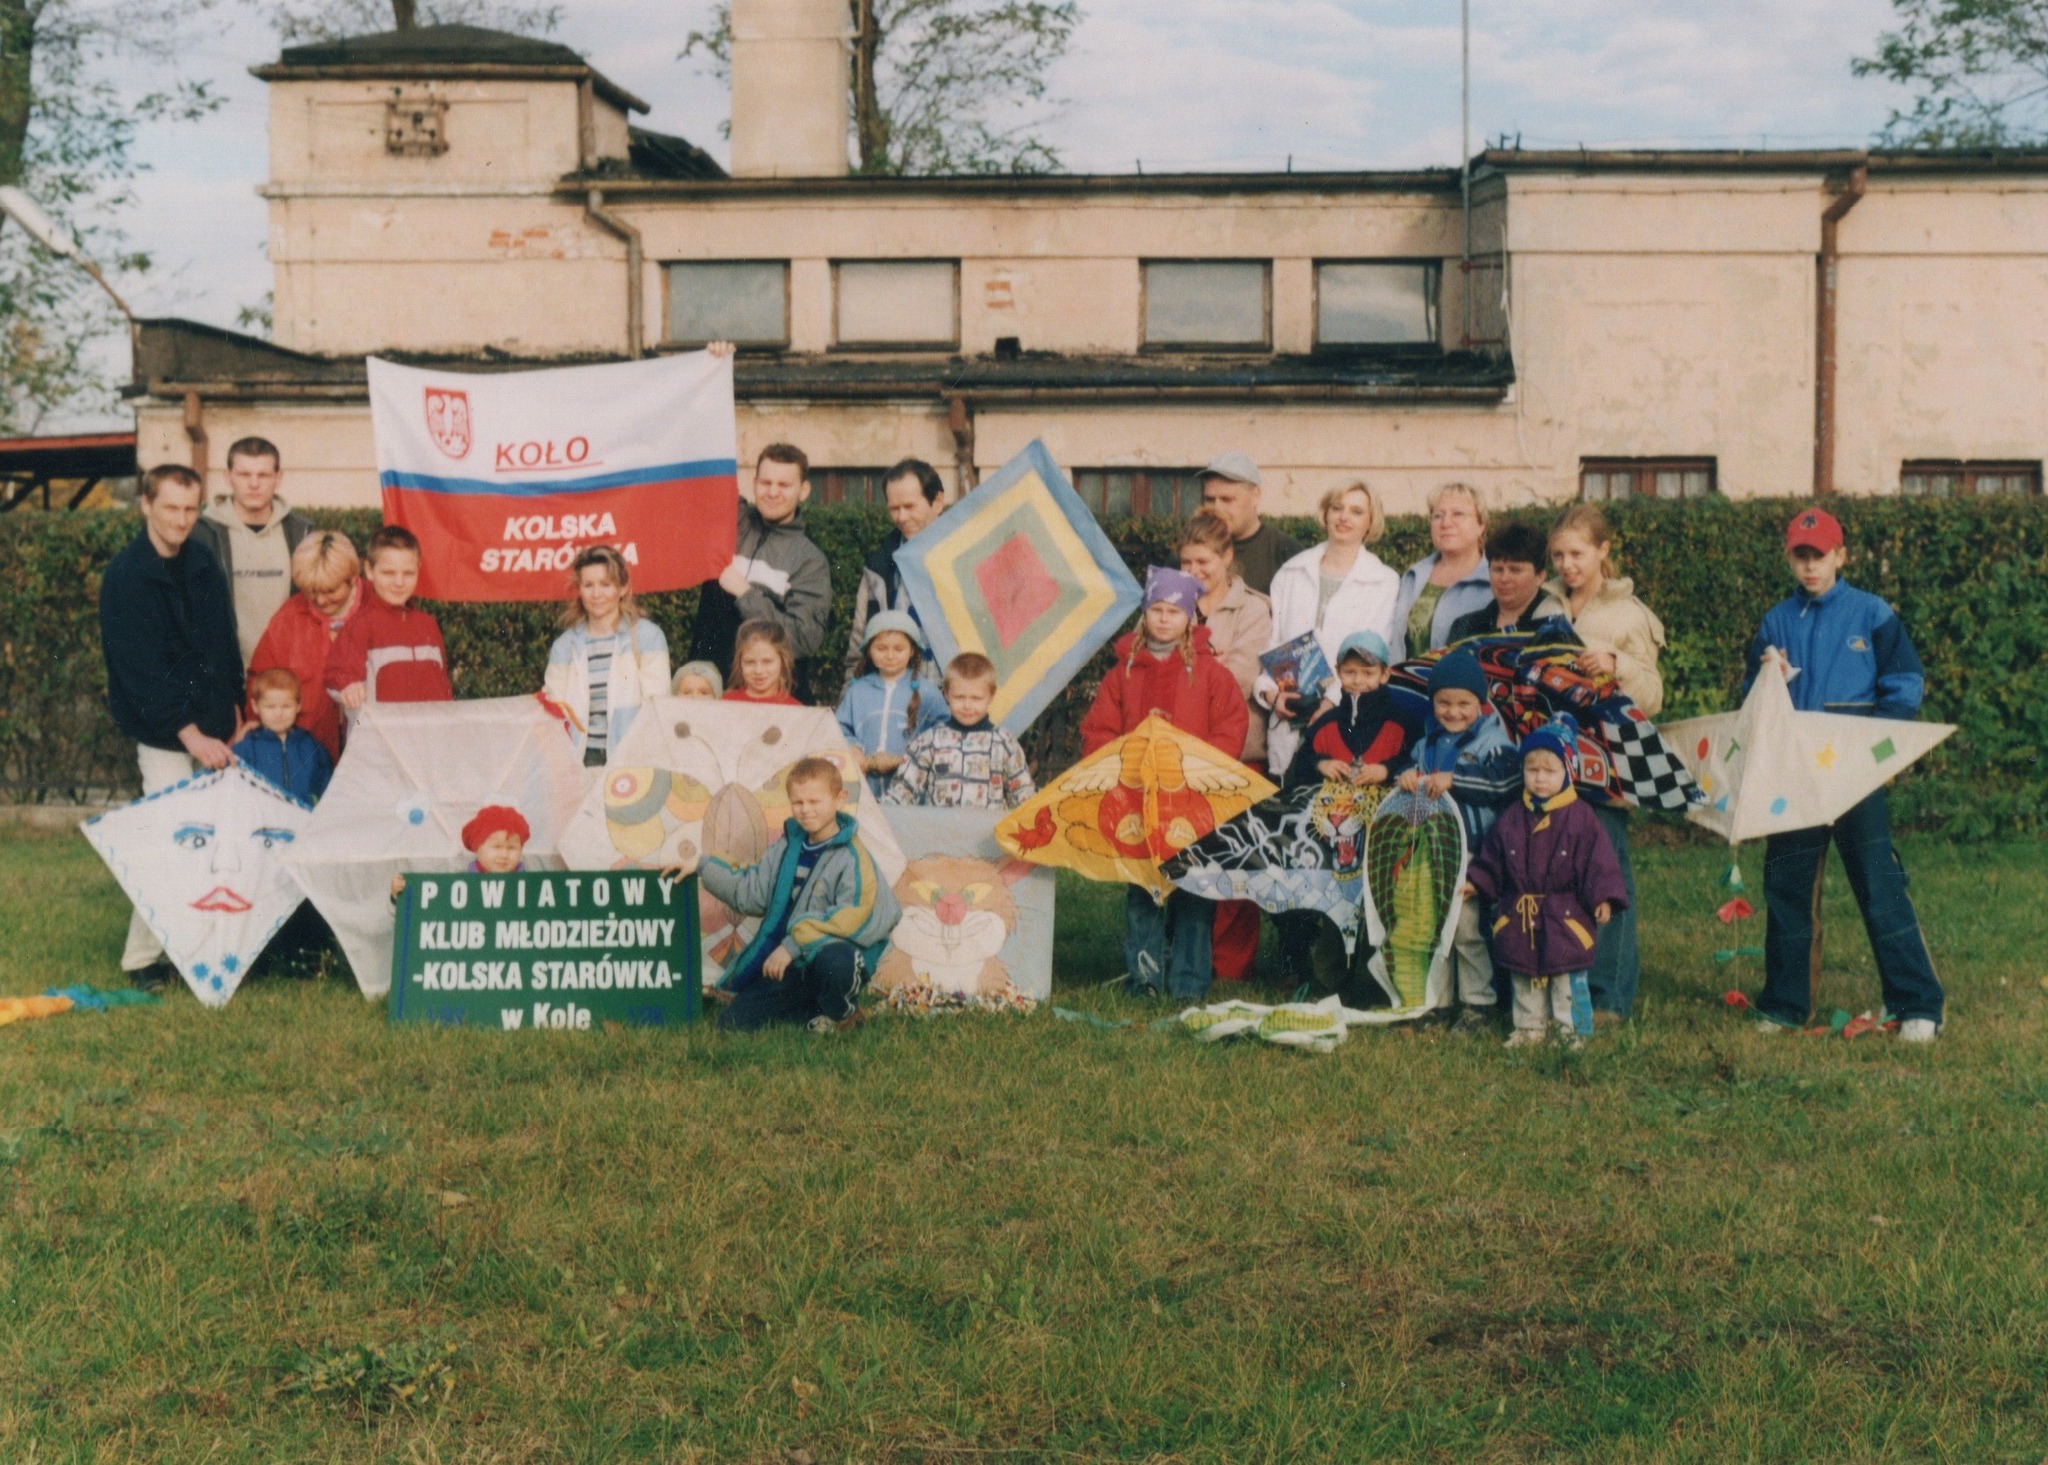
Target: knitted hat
<point>1458,672</point>
<point>1174,587</point>
<point>1560,738</point>
<point>702,669</point>
<point>1369,644</point>
<point>494,819</point>
<point>892,620</point>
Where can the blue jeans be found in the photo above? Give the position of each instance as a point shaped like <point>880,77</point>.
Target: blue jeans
<point>1168,945</point>
<point>1617,969</point>
<point>1794,865</point>
<point>828,981</point>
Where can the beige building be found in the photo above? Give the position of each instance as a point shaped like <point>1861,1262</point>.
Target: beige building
<point>1601,323</point>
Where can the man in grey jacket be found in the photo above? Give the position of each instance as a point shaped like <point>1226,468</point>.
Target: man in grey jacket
<point>776,574</point>
<point>252,533</point>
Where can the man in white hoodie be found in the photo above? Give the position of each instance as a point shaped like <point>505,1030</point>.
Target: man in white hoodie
<point>252,532</point>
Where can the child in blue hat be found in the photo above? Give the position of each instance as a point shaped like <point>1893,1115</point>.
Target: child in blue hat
<point>889,704</point>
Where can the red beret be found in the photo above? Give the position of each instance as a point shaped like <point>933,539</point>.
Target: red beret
<point>494,819</point>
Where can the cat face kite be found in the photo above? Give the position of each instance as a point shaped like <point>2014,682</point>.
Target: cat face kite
<point>203,863</point>
<point>1124,811</point>
<point>976,921</point>
<point>694,778</point>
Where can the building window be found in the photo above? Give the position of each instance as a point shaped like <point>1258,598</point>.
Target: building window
<point>1610,480</point>
<point>745,301</point>
<point>848,486</point>
<point>1381,303</point>
<point>1933,478</point>
<point>897,304</point>
<point>1116,493</point>
<point>1214,304</point>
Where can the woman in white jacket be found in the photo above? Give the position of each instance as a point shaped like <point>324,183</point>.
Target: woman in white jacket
<point>610,660</point>
<point>1333,589</point>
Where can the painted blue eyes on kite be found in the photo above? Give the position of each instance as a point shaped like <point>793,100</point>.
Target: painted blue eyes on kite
<point>272,838</point>
<point>199,836</point>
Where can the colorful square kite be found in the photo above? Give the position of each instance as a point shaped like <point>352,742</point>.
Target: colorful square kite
<point>1019,571</point>
<point>1133,805</point>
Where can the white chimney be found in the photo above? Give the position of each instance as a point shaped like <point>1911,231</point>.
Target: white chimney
<point>790,74</point>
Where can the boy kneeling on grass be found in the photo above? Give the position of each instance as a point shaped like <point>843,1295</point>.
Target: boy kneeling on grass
<point>826,912</point>
<point>1851,655</point>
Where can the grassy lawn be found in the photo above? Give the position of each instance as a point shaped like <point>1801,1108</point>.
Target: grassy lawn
<point>977,1239</point>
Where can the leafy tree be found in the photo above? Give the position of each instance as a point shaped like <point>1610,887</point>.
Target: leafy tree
<point>327,20</point>
<point>67,137</point>
<point>1980,68</point>
<point>941,86</point>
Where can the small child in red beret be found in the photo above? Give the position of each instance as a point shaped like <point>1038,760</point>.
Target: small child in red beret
<point>496,840</point>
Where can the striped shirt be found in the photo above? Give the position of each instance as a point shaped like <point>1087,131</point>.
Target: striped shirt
<point>599,654</point>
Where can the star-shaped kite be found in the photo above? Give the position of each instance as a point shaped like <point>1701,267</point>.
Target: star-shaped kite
<point>1769,768</point>
<point>1132,805</point>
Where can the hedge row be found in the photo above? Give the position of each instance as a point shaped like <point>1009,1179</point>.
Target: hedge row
<point>1970,577</point>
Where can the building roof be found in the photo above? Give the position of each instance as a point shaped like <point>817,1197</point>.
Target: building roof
<point>1764,160</point>
<point>176,356</point>
<point>436,51</point>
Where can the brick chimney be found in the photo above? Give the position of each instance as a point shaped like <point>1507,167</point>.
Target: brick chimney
<point>790,74</point>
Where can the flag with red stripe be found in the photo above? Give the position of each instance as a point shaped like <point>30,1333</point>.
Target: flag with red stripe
<point>505,476</point>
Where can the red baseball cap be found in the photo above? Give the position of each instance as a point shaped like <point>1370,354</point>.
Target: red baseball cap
<point>1815,529</point>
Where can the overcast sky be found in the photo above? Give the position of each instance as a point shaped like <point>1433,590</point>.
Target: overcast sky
<point>1178,84</point>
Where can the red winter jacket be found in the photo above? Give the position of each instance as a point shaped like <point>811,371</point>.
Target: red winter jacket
<point>297,640</point>
<point>1201,698</point>
<point>396,649</point>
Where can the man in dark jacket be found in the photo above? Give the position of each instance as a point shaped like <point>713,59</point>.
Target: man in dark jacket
<point>914,495</point>
<point>776,573</point>
<point>174,672</point>
<point>252,532</point>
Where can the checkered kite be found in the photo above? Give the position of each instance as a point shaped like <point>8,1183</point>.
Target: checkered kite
<point>1132,805</point>
<point>1019,571</point>
<point>1769,768</point>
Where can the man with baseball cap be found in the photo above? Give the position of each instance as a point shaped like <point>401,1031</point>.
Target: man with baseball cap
<point>1230,489</point>
<point>1852,656</point>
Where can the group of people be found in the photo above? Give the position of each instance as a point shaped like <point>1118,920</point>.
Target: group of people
<point>240,631</point>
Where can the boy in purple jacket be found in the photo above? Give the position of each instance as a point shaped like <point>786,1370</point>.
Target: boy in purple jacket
<point>1552,877</point>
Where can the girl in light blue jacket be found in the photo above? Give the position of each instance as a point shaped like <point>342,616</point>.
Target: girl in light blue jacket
<point>887,706</point>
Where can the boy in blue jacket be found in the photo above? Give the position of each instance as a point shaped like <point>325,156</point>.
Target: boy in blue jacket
<point>1852,656</point>
<point>1466,752</point>
<point>826,912</point>
<point>276,747</point>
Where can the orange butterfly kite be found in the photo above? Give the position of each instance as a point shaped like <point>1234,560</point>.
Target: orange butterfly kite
<point>1132,805</point>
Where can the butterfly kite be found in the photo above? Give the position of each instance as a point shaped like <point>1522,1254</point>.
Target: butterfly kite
<point>1123,812</point>
<point>1769,768</point>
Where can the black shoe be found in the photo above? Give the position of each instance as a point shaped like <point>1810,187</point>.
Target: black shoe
<point>158,975</point>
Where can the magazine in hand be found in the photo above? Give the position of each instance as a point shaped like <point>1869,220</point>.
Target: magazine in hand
<point>1299,670</point>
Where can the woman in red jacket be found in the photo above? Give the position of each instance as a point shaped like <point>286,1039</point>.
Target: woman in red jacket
<point>1166,666</point>
<point>327,575</point>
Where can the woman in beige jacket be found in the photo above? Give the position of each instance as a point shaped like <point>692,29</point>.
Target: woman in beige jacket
<point>1623,638</point>
<point>1240,622</point>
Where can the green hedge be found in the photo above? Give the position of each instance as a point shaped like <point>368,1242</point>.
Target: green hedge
<point>1969,577</point>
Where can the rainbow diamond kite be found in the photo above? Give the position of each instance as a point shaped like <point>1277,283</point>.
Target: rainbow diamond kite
<point>1019,571</point>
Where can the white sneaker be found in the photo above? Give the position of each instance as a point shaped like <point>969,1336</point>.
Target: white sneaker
<point>1525,1038</point>
<point>1919,1030</point>
<point>1766,1028</point>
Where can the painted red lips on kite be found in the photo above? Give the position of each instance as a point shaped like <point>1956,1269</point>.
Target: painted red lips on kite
<point>222,899</point>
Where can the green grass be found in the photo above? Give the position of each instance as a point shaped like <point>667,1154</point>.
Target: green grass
<point>286,1231</point>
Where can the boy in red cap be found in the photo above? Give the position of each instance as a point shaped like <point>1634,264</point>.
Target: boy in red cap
<point>1852,656</point>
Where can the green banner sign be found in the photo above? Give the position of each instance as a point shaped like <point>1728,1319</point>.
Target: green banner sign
<point>547,949</point>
